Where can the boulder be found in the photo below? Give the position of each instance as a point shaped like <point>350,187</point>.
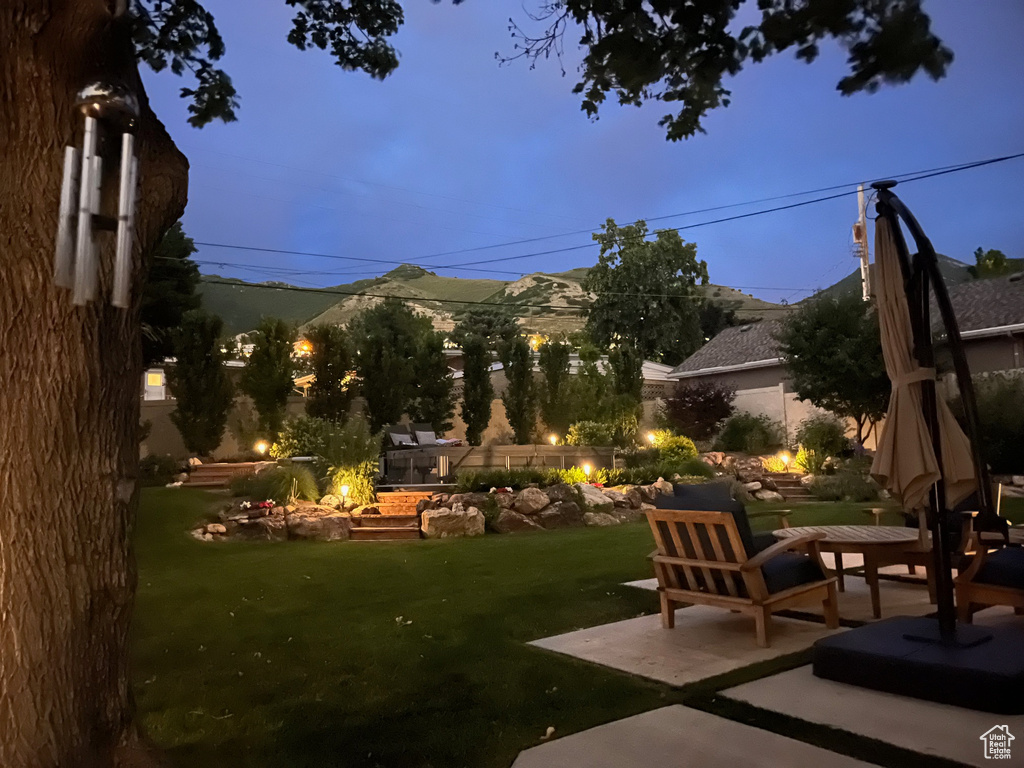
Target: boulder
<point>477,499</point>
<point>624,515</point>
<point>509,521</point>
<point>530,501</point>
<point>561,492</point>
<point>562,514</point>
<point>1017,480</point>
<point>752,487</point>
<point>447,523</point>
<point>181,477</point>
<point>600,519</point>
<point>441,499</point>
<point>648,493</point>
<point>319,527</point>
<point>330,500</point>
<point>765,495</point>
<point>618,497</point>
<point>269,528</point>
<point>713,458</point>
<point>664,487</point>
<point>806,480</point>
<point>199,534</point>
<point>424,504</point>
<point>366,509</point>
<point>503,500</point>
<point>594,498</point>
<point>634,498</point>
<point>216,528</point>
<point>768,484</point>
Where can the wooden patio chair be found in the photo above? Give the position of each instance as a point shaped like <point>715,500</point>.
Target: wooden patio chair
<point>994,575</point>
<point>701,558</point>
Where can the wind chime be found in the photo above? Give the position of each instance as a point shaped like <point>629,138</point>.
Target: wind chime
<point>110,111</point>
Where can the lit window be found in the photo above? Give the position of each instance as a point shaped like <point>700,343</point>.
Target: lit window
<point>154,379</point>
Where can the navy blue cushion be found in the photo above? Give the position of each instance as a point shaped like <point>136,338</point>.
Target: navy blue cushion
<point>1004,568</point>
<point>711,497</point>
<point>790,569</point>
<point>763,540</point>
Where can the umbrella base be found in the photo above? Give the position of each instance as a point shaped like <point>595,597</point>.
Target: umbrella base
<point>904,656</point>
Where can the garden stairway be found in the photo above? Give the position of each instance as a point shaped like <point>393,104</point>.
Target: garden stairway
<point>789,485</point>
<point>219,475</point>
<point>385,527</point>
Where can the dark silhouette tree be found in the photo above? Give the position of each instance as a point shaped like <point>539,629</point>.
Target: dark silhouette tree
<point>519,396</point>
<point>434,392</point>
<point>477,390</point>
<point>199,382</point>
<point>267,378</point>
<point>555,390</point>
<point>332,390</point>
<point>698,410</point>
<point>169,293</point>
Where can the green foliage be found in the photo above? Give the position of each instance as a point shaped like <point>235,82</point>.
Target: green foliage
<point>493,324</point>
<point>774,464</point>
<point>645,292</point>
<point>1000,402</point>
<point>698,409</point>
<point>199,383</point>
<point>672,447</point>
<point>301,436</point>
<point>169,292</point>
<point>331,393</point>
<point>477,391</point>
<point>844,486</point>
<point>715,318</point>
<point>468,481</point>
<point>833,353</point>
<point>157,469</point>
<point>822,434</point>
<point>640,456</point>
<point>555,391</point>
<point>591,433</point>
<point>282,484</point>
<point>387,338</point>
<point>519,397</point>
<point>244,424</point>
<point>267,378</point>
<point>689,469</point>
<point>750,434</point>
<point>991,263</point>
<point>351,454</point>
<point>680,53</point>
<point>434,401</point>
<point>811,462</point>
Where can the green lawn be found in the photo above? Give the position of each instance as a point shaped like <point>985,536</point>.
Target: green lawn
<point>406,654</point>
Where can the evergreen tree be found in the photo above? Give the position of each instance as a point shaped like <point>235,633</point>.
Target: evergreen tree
<point>519,396</point>
<point>330,395</point>
<point>169,293</point>
<point>477,391</point>
<point>434,403</point>
<point>556,387</point>
<point>199,383</point>
<point>267,377</point>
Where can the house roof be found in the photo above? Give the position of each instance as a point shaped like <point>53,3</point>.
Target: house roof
<point>650,371</point>
<point>991,304</point>
<point>743,346</point>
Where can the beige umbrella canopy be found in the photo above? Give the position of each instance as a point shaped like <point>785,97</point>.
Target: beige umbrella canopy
<point>905,462</point>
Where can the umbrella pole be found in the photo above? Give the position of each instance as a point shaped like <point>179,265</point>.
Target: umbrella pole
<point>918,276</point>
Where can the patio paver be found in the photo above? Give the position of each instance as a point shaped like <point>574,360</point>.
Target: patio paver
<point>678,736</point>
<point>898,598</point>
<point>933,729</point>
<point>705,642</point>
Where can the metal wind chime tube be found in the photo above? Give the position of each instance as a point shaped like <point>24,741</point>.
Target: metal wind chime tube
<point>108,111</point>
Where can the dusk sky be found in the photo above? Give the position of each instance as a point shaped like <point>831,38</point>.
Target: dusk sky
<point>455,152</point>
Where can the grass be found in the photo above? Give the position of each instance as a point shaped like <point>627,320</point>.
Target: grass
<point>298,654</point>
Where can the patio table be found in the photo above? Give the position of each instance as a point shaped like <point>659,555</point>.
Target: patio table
<point>875,542</point>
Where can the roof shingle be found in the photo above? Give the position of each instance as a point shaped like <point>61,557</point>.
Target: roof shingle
<point>735,346</point>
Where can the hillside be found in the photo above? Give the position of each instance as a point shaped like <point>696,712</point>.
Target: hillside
<point>544,303</point>
<point>953,272</point>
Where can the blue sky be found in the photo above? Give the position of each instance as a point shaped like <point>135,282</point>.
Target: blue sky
<point>455,152</point>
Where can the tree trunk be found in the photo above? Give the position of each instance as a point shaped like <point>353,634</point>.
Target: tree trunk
<point>69,404</point>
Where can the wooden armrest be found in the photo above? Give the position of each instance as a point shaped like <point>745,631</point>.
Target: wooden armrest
<point>715,565</point>
<point>783,545</point>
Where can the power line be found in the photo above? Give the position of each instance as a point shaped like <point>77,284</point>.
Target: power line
<point>915,176</point>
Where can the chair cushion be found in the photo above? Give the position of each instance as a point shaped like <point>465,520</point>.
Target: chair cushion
<point>1004,568</point>
<point>790,569</point>
<point>711,497</point>
<point>763,540</point>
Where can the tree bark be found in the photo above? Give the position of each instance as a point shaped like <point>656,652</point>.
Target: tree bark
<point>69,403</point>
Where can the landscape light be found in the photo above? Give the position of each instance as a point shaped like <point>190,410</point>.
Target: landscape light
<point>261,447</point>
<point>651,438</point>
<point>785,458</point>
<point>553,439</point>
<point>344,494</point>
<point>586,470</point>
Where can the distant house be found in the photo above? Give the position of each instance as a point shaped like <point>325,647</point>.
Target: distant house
<point>990,314</point>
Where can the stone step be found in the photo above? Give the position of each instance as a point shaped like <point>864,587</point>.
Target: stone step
<point>384,533</point>
<point>386,521</point>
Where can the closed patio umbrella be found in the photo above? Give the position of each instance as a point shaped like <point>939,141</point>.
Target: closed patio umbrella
<point>905,461</point>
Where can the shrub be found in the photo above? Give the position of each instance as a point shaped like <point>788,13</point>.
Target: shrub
<point>673,447</point>
<point>824,434</point>
<point>640,457</point>
<point>750,434</point>
<point>690,469</point>
<point>281,483</point>
<point>1001,416</point>
<point>844,486</point>
<point>469,481</point>
<point>301,436</point>
<point>809,462</point>
<point>157,470</point>
<point>591,433</point>
<point>351,452</point>
<point>698,409</point>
